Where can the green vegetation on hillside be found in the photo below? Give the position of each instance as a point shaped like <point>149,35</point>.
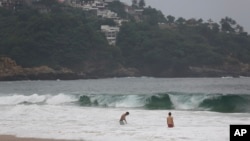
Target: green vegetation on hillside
<point>180,47</point>
<point>62,37</point>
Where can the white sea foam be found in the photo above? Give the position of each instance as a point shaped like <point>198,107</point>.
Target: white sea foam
<point>36,99</point>
<point>48,114</point>
<point>17,99</point>
<point>187,102</point>
<point>95,124</point>
<point>60,99</point>
<point>118,101</point>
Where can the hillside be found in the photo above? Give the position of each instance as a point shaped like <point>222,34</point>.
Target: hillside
<point>61,37</point>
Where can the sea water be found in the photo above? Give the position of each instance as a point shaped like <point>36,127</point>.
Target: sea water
<point>89,110</point>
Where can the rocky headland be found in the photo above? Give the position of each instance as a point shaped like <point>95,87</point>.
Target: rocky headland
<point>10,70</point>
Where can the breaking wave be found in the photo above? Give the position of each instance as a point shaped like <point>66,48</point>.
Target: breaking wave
<point>229,103</point>
<point>180,101</point>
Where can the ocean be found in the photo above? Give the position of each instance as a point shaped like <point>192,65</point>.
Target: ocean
<point>89,110</point>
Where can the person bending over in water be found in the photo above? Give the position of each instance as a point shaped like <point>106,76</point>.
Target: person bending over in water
<point>123,118</point>
<point>170,120</point>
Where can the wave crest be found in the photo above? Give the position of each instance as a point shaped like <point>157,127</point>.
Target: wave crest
<point>180,101</point>
<point>227,103</point>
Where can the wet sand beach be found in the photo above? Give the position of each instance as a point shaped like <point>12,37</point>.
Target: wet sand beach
<point>13,138</point>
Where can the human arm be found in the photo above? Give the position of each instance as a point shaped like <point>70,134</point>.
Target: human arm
<point>125,119</point>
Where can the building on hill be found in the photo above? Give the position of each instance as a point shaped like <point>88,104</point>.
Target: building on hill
<point>110,33</point>
<point>105,13</point>
<point>99,4</point>
<point>120,21</point>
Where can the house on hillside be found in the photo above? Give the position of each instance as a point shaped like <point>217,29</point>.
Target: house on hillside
<point>120,21</point>
<point>105,13</point>
<point>110,33</point>
<point>99,5</point>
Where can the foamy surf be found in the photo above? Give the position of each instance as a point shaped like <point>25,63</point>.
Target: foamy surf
<point>93,124</point>
<point>36,99</point>
<point>89,110</point>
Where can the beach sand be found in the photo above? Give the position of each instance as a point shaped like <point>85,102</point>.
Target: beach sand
<point>13,138</point>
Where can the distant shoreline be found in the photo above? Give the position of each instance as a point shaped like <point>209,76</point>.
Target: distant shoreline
<point>75,77</point>
<point>10,71</point>
<point>13,138</point>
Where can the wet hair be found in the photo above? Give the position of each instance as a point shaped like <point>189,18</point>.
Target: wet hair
<point>127,113</point>
<point>169,113</point>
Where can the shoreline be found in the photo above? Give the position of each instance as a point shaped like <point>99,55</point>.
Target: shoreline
<point>96,77</point>
<point>14,138</point>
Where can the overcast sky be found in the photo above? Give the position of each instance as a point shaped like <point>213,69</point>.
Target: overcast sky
<point>239,10</point>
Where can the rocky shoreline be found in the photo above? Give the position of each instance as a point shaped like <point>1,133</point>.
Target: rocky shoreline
<point>10,71</point>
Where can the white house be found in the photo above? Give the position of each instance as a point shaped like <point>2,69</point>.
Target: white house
<point>119,21</point>
<point>98,4</point>
<point>89,7</point>
<point>105,13</point>
<point>110,33</point>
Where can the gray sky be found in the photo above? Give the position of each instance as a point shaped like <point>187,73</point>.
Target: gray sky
<point>239,10</point>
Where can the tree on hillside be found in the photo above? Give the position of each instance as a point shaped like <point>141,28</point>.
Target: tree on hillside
<point>153,16</point>
<point>180,21</point>
<point>118,8</point>
<point>134,3</point>
<point>213,26</point>
<point>227,25</point>
<point>231,26</point>
<point>239,29</point>
<point>142,3</point>
<point>170,19</point>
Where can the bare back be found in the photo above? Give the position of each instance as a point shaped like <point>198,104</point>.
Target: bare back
<point>123,117</point>
<point>170,120</point>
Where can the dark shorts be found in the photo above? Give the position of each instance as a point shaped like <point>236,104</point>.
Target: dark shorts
<point>170,125</point>
<point>122,123</point>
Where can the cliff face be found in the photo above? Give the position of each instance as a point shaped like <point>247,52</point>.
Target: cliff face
<point>8,67</point>
<point>9,70</point>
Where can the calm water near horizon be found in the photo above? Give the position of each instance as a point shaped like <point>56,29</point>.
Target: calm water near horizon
<point>203,108</point>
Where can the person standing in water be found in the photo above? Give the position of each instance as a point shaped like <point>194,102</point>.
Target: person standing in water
<point>170,120</point>
<point>123,118</point>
